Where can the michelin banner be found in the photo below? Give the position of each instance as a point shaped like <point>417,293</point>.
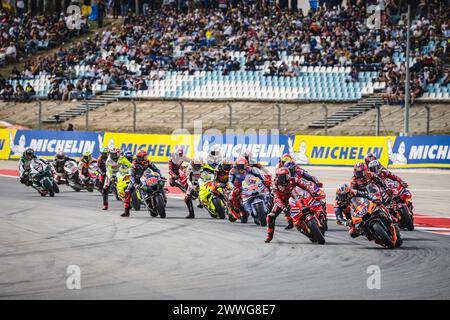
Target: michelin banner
<point>339,151</point>
<point>158,146</point>
<point>47,143</point>
<point>419,151</point>
<point>265,148</point>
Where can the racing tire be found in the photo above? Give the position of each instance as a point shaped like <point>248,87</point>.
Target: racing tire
<point>159,206</point>
<point>261,214</point>
<point>406,219</point>
<point>55,187</point>
<point>136,203</point>
<point>315,232</point>
<point>381,233</point>
<point>220,210</point>
<point>48,186</point>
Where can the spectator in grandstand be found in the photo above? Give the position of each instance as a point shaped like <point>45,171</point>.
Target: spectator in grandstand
<point>7,92</point>
<point>30,93</point>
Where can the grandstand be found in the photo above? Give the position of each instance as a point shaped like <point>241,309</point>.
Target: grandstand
<point>301,72</point>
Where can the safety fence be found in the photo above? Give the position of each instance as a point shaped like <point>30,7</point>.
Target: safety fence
<point>393,151</point>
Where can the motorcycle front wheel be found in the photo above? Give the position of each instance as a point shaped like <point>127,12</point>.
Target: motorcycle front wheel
<point>382,234</point>
<point>159,206</point>
<point>48,186</point>
<point>315,231</point>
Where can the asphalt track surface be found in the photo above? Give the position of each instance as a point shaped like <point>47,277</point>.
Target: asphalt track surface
<point>174,258</point>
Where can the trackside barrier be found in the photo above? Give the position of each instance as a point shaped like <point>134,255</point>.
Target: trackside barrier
<point>395,152</point>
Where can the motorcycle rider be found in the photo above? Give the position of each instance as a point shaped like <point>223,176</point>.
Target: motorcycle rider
<point>283,185</point>
<point>193,173</point>
<point>58,163</point>
<point>129,156</point>
<point>214,156</point>
<point>138,167</point>
<point>342,206</point>
<point>101,167</point>
<point>254,164</point>
<point>84,165</point>
<point>362,177</point>
<point>24,166</point>
<point>369,157</point>
<point>296,171</point>
<point>237,175</point>
<point>113,164</point>
<point>222,174</point>
<point>176,160</point>
<point>284,158</point>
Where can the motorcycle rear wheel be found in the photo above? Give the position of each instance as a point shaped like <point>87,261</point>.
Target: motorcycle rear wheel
<point>406,219</point>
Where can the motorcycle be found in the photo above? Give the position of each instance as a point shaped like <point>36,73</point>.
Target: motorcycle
<point>321,197</point>
<point>123,180</point>
<point>255,200</point>
<point>213,199</point>
<point>374,221</point>
<point>400,205</point>
<point>181,182</point>
<point>71,175</point>
<point>306,212</point>
<point>42,178</point>
<point>151,192</point>
<point>90,180</point>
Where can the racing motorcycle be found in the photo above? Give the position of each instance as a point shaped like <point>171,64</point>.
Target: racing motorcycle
<point>321,198</point>
<point>374,221</point>
<point>123,180</point>
<point>90,181</point>
<point>181,182</point>
<point>71,175</point>
<point>151,192</point>
<point>400,205</point>
<point>306,212</point>
<point>42,178</point>
<point>255,200</point>
<point>213,199</point>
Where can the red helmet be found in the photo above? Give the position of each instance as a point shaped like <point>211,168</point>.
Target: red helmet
<point>240,164</point>
<point>283,175</point>
<point>285,158</point>
<point>360,170</point>
<point>369,157</point>
<point>141,156</point>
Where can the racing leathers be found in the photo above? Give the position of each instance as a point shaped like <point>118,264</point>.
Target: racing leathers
<point>24,169</point>
<point>136,171</point>
<point>193,173</point>
<point>235,179</point>
<point>361,184</point>
<point>175,163</point>
<point>83,168</point>
<point>101,168</point>
<point>282,193</point>
<point>112,167</point>
<point>58,164</point>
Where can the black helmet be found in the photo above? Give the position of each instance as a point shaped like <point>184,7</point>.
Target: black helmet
<point>29,154</point>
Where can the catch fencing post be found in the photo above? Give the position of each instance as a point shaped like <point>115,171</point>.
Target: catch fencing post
<point>378,125</point>
<point>134,115</point>
<point>40,114</point>
<point>231,115</point>
<point>428,118</point>
<point>326,118</point>
<point>279,117</point>
<point>182,114</point>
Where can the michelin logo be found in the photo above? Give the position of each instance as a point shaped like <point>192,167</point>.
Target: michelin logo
<point>258,150</point>
<point>433,152</point>
<point>68,146</point>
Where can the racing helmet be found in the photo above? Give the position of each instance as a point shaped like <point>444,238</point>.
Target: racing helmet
<point>87,156</point>
<point>343,192</point>
<point>214,151</point>
<point>29,154</point>
<point>60,155</point>
<point>179,152</point>
<point>375,166</point>
<point>285,158</point>
<point>141,156</point>
<point>114,153</point>
<point>240,164</point>
<point>196,164</point>
<point>369,157</point>
<point>104,152</point>
<point>128,155</point>
<point>283,175</point>
<point>360,170</point>
<point>226,164</point>
<point>290,165</point>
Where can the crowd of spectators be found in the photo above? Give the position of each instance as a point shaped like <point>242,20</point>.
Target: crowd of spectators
<point>204,38</point>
